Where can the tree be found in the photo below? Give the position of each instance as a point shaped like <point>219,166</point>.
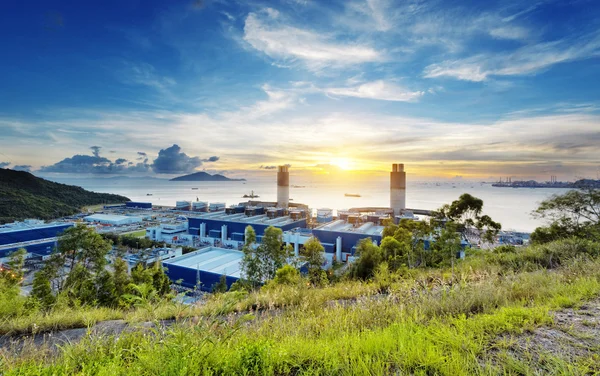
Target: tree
<point>312,253</point>
<point>394,252</point>
<point>221,286</point>
<point>250,264</point>
<point>447,244</point>
<point>121,279</point>
<point>41,290</point>
<point>369,258</point>
<point>14,275</point>
<point>271,252</point>
<point>260,263</point>
<point>575,213</point>
<point>466,212</point>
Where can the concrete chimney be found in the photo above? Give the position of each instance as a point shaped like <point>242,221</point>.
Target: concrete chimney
<point>397,188</point>
<point>283,187</point>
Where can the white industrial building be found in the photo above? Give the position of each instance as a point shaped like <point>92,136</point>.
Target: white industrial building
<point>114,220</point>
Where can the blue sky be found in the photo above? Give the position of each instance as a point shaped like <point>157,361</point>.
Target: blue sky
<point>466,88</point>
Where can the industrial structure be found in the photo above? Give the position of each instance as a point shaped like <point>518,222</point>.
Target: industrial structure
<point>37,237</point>
<point>112,219</point>
<point>397,188</point>
<point>138,205</point>
<point>204,268</point>
<point>229,226</point>
<point>283,186</point>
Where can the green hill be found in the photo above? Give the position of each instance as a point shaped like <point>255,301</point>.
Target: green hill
<point>23,195</point>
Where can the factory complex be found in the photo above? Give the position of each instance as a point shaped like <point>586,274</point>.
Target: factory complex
<point>218,232</point>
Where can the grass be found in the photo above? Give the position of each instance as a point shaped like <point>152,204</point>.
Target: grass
<point>428,322</point>
<point>137,234</point>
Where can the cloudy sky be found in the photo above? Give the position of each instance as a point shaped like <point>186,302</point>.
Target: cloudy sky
<point>470,88</point>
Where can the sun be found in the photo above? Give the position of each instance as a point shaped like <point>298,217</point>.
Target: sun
<point>343,163</point>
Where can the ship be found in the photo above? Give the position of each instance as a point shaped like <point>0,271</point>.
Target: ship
<point>251,195</point>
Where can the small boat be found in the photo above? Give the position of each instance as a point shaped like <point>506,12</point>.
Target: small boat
<point>148,194</point>
<point>193,189</point>
<point>251,195</point>
<point>351,195</point>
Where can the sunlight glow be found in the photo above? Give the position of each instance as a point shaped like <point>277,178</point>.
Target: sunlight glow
<point>343,163</point>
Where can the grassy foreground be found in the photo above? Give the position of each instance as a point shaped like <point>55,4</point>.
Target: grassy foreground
<point>423,323</point>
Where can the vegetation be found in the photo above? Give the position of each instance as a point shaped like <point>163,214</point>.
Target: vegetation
<point>261,261</point>
<point>23,195</point>
<point>573,214</point>
<point>400,309</point>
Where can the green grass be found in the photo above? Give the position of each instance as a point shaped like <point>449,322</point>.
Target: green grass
<point>137,234</point>
<point>428,322</point>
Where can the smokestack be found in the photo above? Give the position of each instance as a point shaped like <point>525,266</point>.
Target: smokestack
<point>283,186</point>
<point>397,188</point>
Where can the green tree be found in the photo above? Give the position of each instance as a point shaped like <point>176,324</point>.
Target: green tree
<point>369,258</point>
<point>447,245</point>
<point>41,291</point>
<point>394,252</point>
<point>260,263</point>
<point>16,263</point>
<point>313,254</point>
<point>271,252</point>
<point>221,286</point>
<point>573,214</point>
<point>466,212</point>
<point>287,275</point>
<point>250,265</point>
<point>121,279</point>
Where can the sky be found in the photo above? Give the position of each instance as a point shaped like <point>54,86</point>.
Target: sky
<point>475,89</point>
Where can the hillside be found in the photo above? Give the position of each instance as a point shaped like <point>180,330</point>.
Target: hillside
<point>23,195</point>
<point>203,176</point>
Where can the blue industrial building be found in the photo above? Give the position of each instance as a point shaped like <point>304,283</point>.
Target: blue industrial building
<point>221,225</point>
<point>204,268</point>
<point>35,236</point>
<point>138,205</point>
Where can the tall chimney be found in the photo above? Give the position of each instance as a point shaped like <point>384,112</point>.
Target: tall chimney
<point>397,188</point>
<point>283,186</point>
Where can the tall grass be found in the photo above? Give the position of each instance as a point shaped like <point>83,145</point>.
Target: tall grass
<point>433,323</point>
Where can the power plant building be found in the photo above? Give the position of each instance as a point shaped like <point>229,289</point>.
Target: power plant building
<point>204,268</point>
<point>138,205</point>
<point>37,237</point>
<point>114,220</point>
<point>231,225</point>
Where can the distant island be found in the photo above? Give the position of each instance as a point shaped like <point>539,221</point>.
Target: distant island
<point>23,195</point>
<point>203,176</point>
<point>582,183</point>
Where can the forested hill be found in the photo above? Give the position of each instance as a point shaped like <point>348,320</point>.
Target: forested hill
<point>23,195</point>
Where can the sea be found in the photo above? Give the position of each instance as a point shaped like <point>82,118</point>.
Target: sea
<point>512,207</point>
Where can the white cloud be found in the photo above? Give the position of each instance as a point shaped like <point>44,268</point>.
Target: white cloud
<point>526,60</point>
<point>265,32</point>
<point>380,89</point>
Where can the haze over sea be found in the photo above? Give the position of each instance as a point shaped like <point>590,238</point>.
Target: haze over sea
<point>510,206</point>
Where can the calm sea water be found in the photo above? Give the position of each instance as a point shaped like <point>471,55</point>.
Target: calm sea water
<point>511,207</point>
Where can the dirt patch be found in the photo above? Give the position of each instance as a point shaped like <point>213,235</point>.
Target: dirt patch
<point>574,337</point>
<point>51,341</point>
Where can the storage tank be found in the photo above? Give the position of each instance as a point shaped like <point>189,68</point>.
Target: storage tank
<point>183,205</point>
<point>216,206</point>
<point>200,206</point>
<point>324,215</point>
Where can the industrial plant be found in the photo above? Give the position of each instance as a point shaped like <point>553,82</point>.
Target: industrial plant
<point>218,232</point>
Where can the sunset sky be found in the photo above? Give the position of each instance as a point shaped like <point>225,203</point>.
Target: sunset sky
<point>160,88</point>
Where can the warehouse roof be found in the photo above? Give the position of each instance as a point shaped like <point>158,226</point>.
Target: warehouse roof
<point>211,259</point>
